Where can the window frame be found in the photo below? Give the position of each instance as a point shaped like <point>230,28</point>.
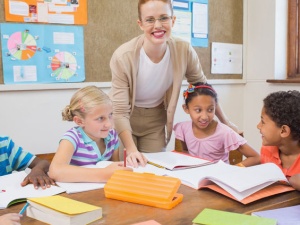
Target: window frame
<point>293,44</point>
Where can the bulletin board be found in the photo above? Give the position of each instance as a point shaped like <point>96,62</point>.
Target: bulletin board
<point>46,11</point>
<point>112,22</point>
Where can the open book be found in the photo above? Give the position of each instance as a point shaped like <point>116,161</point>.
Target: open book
<point>233,181</point>
<point>72,187</point>
<point>175,160</point>
<point>12,191</point>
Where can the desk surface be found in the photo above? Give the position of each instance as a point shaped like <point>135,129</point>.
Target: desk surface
<point>194,201</point>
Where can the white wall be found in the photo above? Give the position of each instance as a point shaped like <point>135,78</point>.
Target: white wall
<point>31,114</point>
<point>33,117</point>
<point>266,58</point>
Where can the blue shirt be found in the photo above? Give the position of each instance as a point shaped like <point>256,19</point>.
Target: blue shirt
<point>13,157</point>
<point>86,151</point>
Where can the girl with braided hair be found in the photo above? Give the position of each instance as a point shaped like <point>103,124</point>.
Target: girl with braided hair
<point>204,136</point>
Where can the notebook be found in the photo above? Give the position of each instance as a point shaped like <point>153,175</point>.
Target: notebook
<point>284,216</point>
<point>87,186</point>
<point>72,187</point>
<point>175,160</point>
<point>218,217</point>
<point>237,182</point>
<point>12,192</point>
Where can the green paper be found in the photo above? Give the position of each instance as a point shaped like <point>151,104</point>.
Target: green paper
<point>217,217</point>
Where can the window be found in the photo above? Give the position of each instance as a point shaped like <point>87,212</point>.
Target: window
<point>293,39</point>
<point>293,44</point>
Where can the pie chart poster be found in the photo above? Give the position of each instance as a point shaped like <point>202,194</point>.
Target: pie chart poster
<point>33,53</point>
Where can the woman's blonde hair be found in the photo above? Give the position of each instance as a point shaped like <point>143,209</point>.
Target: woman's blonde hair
<point>83,101</point>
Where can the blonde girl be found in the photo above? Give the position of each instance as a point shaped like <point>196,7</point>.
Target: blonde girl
<point>91,141</point>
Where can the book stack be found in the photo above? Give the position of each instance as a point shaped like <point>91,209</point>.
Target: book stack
<point>63,211</point>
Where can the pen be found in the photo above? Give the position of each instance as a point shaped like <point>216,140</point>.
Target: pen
<point>154,164</point>
<point>125,157</point>
<point>24,208</point>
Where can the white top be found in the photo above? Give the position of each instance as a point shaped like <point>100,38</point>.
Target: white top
<point>153,80</point>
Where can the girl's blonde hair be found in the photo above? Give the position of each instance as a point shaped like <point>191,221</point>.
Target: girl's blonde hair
<point>83,101</point>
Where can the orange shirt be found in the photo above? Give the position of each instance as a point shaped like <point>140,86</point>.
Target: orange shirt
<point>271,154</point>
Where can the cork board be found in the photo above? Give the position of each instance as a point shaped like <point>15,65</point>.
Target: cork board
<point>113,22</point>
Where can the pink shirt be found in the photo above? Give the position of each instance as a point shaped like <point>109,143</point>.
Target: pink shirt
<point>215,147</point>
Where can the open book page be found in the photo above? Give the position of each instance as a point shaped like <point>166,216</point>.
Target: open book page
<point>239,195</point>
<point>72,187</point>
<point>12,191</point>
<point>150,169</point>
<point>273,189</point>
<point>174,160</point>
<point>238,181</point>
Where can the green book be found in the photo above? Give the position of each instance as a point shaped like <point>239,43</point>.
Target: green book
<point>217,217</point>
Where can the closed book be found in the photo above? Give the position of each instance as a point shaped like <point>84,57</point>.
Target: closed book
<point>148,222</point>
<point>218,217</point>
<point>284,216</point>
<point>63,211</point>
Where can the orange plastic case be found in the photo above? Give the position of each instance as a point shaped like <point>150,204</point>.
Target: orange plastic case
<point>144,188</point>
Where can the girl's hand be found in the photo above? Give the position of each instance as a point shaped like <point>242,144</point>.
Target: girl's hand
<point>117,166</point>
<point>10,219</point>
<point>135,158</point>
<point>295,181</point>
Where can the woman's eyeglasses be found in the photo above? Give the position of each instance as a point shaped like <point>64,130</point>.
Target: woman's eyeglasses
<point>151,20</point>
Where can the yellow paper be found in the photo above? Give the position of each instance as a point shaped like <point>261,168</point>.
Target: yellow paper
<point>64,205</point>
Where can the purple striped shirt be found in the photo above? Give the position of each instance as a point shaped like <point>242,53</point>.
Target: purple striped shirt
<point>86,151</point>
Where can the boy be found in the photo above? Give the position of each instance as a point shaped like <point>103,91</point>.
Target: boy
<point>13,158</point>
<point>280,130</point>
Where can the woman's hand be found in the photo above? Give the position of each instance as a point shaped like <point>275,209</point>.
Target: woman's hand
<point>135,159</point>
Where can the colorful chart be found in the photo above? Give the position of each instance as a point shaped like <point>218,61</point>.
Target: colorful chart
<point>63,65</point>
<point>35,53</point>
<point>22,45</point>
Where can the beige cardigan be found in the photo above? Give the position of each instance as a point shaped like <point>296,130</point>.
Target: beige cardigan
<point>124,67</point>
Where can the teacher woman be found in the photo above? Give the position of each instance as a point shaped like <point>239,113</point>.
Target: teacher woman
<point>147,74</point>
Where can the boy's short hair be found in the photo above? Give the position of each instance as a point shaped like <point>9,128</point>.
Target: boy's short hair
<point>283,107</point>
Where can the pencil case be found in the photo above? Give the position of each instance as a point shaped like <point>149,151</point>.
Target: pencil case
<point>144,188</point>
